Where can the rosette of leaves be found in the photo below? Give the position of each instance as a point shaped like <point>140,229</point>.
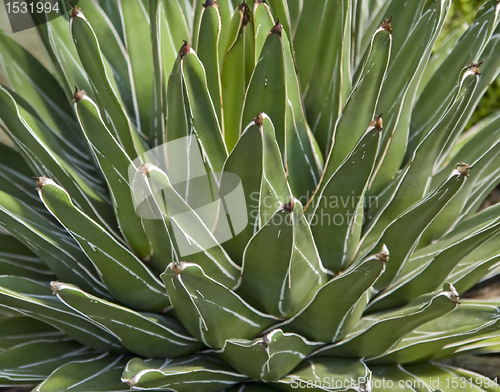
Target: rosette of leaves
<point>361,198</point>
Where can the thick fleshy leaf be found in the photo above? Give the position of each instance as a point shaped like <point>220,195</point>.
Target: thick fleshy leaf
<point>18,330</point>
<point>92,60</point>
<point>323,76</point>
<point>402,236</point>
<point>441,87</point>
<point>264,182</point>
<point>42,151</point>
<point>123,274</point>
<point>17,260</point>
<point>471,322</point>
<point>263,23</point>
<point>114,163</point>
<point>208,53</point>
<point>325,372</point>
<point>337,216</point>
<point>35,299</point>
<point>32,362</point>
<point>282,279</point>
<point>100,374</point>
<point>190,374</point>
<point>148,335</point>
<point>359,110</point>
<point>280,100</point>
<point>209,311</point>
<point>190,109</point>
<point>398,92</point>
<point>377,333</point>
<point>33,82</point>
<point>427,274</point>
<point>268,358</point>
<point>414,180</point>
<point>16,178</point>
<point>53,246</point>
<point>101,16</point>
<point>347,294</point>
<point>236,70</point>
<point>191,239</point>
<point>137,38</point>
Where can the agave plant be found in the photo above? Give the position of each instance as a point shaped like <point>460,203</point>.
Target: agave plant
<point>329,128</point>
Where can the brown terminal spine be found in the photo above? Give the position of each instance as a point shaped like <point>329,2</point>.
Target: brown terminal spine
<point>288,207</point>
<point>259,120</point>
<point>377,122</point>
<point>463,169</point>
<point>78,95</point>
<point>386,24</point>
<point>74,11</point>
<point>277,29</point>
<point>474,67</point>
<point>185,49</point>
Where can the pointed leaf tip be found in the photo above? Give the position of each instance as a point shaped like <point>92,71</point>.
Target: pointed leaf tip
<point>277,29</point>
<point>78,95</point>
<point>383,255</point>
<point>42,181</point>
<point>463,169</point>
<point>185,49</point>
<point>288,207</point>
<point>386,25</point>
<point>474,67</point>
<point>452,293</point>
<point>75,11</point>
<point>377,123</point>
<point>259,120</point>
<point>178,267</point>
<point>210,3</point>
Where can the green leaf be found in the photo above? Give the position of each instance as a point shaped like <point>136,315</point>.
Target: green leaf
<point>190,109</point>
<point>424,275</point>
<point>32,362</point>
<point>347,294</point>
<point>137,38</point>
<point>148,335</point>
<point>17,260</point>
<point>16,178</point>
<point>236,70</point>
<point>470,322</point>
<point>208,53</point>
<point>90,55</point>
<point>414,180</point>
<point>209,311</point>
<point>375,334</point>
<point>114,51</point>
<point>101,373</point>
<point>402,236</point>
<point>344,196</point>
<point>264,183</point>
<point>281,266</point>
<point>359,110</point>
<point>323,90</point>
<point>274,90</point>
<point>268,358</point>
<point>121,271</point>
<point>35,300</point>
<point>441,87</point>
<point>114,164</point>
<point>47,241</point>
<point>33,82</point>
<point>43,153</point>
<point>190,374</point>
<point>191,237</point>
<point>263,23</point>
<point>398,92</point>
<point>15,331</point>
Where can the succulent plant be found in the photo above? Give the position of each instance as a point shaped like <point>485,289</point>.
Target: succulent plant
<point>326,138</point>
